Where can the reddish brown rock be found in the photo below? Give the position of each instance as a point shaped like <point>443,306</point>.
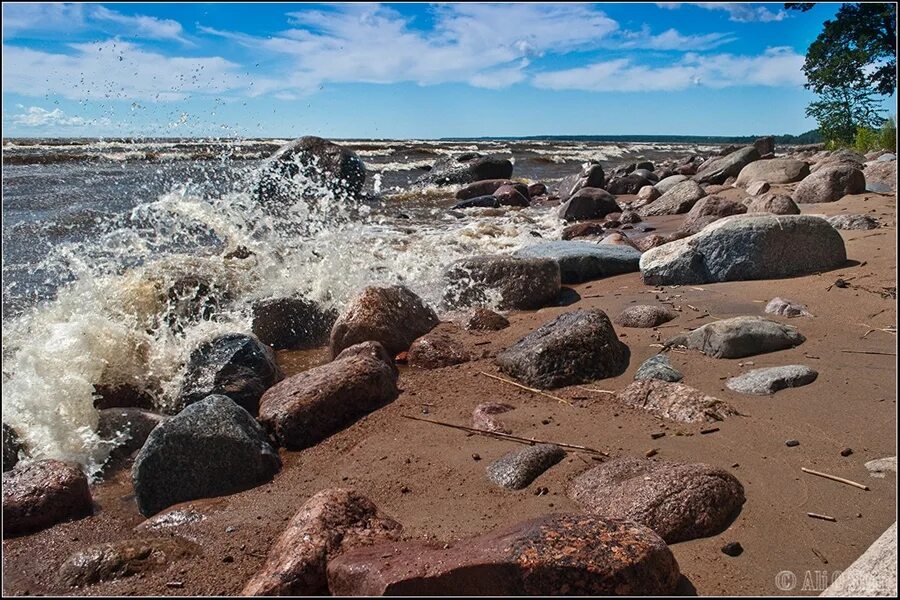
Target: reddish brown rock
<point>675,401</point>
<point>435,350</point>
<point>618,239</point>
<point>550,555</point>
<point>679,501</point>
<point>104,562</point>
<point>777,204</point>
<point>650,241</point>
<point>330,523</point>
<point>483,319</point>
<point>393,316</point>
<point>486,187</point>
<point>537,189</point>
<point>483,417</point>
<point>709,209</point>
<point>308,407</point>
<point>583,230</point>
<point>645,315</point>
<point>373,349</point>
<point>39,494</point>
<point>512,195</point>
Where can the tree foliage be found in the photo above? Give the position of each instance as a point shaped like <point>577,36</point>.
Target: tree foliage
<point>840,111</point>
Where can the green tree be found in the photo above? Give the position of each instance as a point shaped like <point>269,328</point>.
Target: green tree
<point>840,111</point>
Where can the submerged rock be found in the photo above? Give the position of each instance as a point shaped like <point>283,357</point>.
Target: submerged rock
<point>478,202</point>
<point>658,367</point>
<point>507,282</point>
<point>518,468</point>
<point>679,501</point>
<point>39,494</point>
<point>12,446</point>
<point>762,382</point>
<point>675,401</point>
<point>739,337</point>
<point>575,347</point>
<point>645,315</point>
<point>483,417</point>
<point>104,562</point>
<point>583,261</point>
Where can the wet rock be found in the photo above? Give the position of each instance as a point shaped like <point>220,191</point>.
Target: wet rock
<point>786,308</point>
<point>506,281</point>
<point>291,323</point>
<point>630,217</point>
<point>373,350</point>
<point>537,189</point>
<point>830,184</point>
<point>583,230</point>
<point>478,202</point>
<point>658,367</point>
<point>629,184</point>
<point>435,350</point>
<point>675,401</point>
<point>757,188</point>
<point>878,467</point>
<point>105,562</point>
<point>466,168</point>
<point>645,315</point>
<point>39,494</point>
<point>582,261</point>
<point>512,195</point>
<point>331,522</point>
<point>853,222</point>
<point>777,204</point>
<point>302,168</point>
<point>646,174</point>
<point>739,337</point>
<point>720,169</point>
<point>211,448</point>
<point>310,406</point>
<point>762,382</point>
<point>128,428</point>
<point>483,319</point>
<point>551,555</point>
<point>744,247</point>
<point>679,501</point>
<point>872,574</point>
<point>775,170</point>
<point>483,417</point>
<point>710,206</point>
<point>235,365</point>
<point>591,175</point>
<point>482,188</point>
<point>393,316</point>
<point>646,195</point>
<point>588,203</point>
<point>121,395</point>
<point>12,446</point>
<point>881,176</point>
<point>664,185</point>
<point>679,199</point>
<point>518,468</point>
<point>575,347</point>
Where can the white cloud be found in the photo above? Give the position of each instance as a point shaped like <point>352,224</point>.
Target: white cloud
<point>142,26</point>
<point>35,116</point>
<point>738,12</point>
<point>775,67</point>
<point>671,39</point>
<point>22,16</point>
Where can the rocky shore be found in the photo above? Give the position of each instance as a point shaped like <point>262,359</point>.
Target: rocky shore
<point>625,410</point>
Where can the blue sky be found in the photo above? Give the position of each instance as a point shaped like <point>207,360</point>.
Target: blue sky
<point>405,70</point>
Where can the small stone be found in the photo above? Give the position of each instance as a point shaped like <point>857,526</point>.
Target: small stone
<point>517,469</point>
<point>733,549</point>
<point>791,443</point>
<point>476,457</point>
<point>658,435</point>
<point>658,367</point>
<point>846,452</point>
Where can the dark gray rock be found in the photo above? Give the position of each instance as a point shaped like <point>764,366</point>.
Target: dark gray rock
<point>763,382</point>
<point>583,261</point>
<point>234,365</point>
<point>739,337</point>
<point>467,168</point>
<point>478,202</point>
<point>716,171</point>
<point>575,347</point>
<point>511,282</point>
<point>291,323</point>
<point>745,247</point>
<point>483,188</point>
<point>591,175</point>
<point>11,448</point>
<point>517,469</point>
<point>628,184</point>
<point>211,448</point>
<point>588,203</point>
<point>128,428</point>
<point>658,367</point>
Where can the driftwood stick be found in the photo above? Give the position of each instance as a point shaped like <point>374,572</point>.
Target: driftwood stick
<point>525,387</point>
<point>595,390</point>
<point>823,517</point>
<point>834,478</point>
<point>506,436</point>
<point>870,352</point>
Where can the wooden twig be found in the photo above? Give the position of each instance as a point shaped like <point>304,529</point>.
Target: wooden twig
<point>870,352</point>
<point>525,387</point>
<point>823,517</point>
<point>506,436</point>
<point>819,554</point>
<point>596,391</point>
<point>834,478</point>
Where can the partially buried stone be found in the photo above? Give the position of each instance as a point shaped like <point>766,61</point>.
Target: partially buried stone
<point>786,308</point>
<point>483,319</point>
<point>739,337</point>
<point>762,382</point>
<point>733,549</point>
<point>658,367</point>
<point>791,443</point>
<point>483,417</point>
<point>853,222</point>
<point>435,350</point>
<point>517,469</point>
<point>645,315</point>
<point>675,401</point>
<point>105,562</point>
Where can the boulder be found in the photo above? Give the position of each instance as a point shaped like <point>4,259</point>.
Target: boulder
<point>508,282</point>
<point>39,494</point>
<point>583,261</point>
<point>881,176</point>
<point>746,247</point>
<point>765,145</point>
<point>485,187</point>
<point>763,382</point>
<point>775,170</point>
<point>393,316</point>
<point>829,184</point>
<point>838,157</point>
<point>664,185</point>
<point>588,203</point>
<point>647,194</point>
<point>550,555</point>
<point>710,206</point>
<point>658,367</point>
<point>579,230</point>
<point>372,350</point>
<point>647,174</point>
<point>679,501</point>
<point>291,323</point>
<point>331,522</point>
<point>211,448</point>
<point>127,428</point>
<point>511,195</point>
<point>757,188</point>
<point>880,466</point>
<point>630,217</point>
<point>786,308</point>
<point>12,446</point>
<point>537,189</point>
<point>872,574</point>
<point>645,315</point>
<point>853,222</point>
<point>679,199</point>
<point>478,202</point>
<point>518,468</point>
<point>306,166</point>
<point>739,337</point>
<point>435,350</point>
<point>306,408</point>
<point>650,241</point>
<point>483,417</point>
<point>466,168</point>
<point>483,319</point>
<point>719,169</point>
<point>575,347</point>
<point>774,203</point>
<point>105,562</point>
<point>675,401</point>
<point>628,184</point>
<point>591,175</point>
<point>235,365</point>
<point>618,239</point>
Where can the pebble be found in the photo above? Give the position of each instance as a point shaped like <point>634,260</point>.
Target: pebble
<point>476,457</point>
<point>846,451</point>
<point>791,443</point>
<point>733,549</point>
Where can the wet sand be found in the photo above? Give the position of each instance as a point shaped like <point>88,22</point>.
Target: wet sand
<point>425,476</point>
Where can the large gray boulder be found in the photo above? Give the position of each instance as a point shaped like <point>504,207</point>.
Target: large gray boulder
<point>872,574</point>
<point>775,170</point>
<point>739,337</point>
<point>719,169</point>
<point>830,183</point>
<point>509,282</point>
<point>575,347</point>
<point>746,247</point>
<point>881,176</point>
<point>679,199</point>
<point>583,261</point>
<point>668,183</point>
<point>211,448</point>
<point>588,203</point>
